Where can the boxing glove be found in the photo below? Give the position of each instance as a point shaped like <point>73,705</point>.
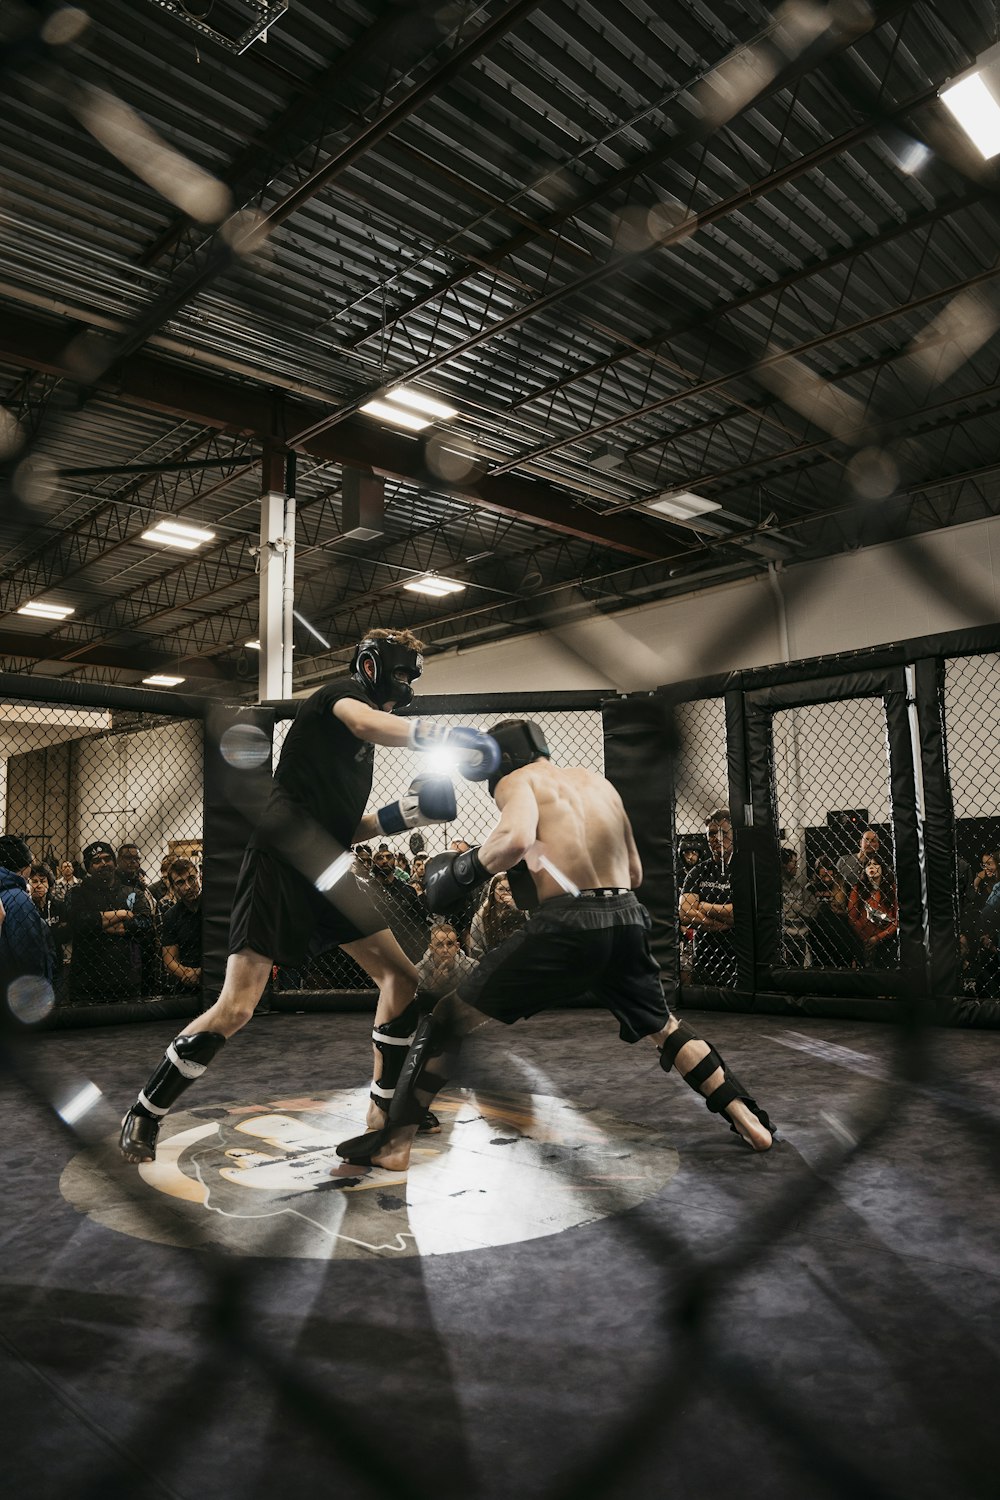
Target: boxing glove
<point>450,878</point>
<point>477,754</point>
<point>430,799</point>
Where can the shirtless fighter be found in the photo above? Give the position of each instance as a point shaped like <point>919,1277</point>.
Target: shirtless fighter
<point>296,895</point>
<point>587,933</point>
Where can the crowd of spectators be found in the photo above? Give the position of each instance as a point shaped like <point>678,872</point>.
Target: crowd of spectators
<point>99,931</point>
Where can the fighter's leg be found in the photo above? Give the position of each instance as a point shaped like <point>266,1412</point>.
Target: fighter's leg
<point>703,1070</point>
<point>396,1016</point>
<point>429,1062</point>
<point>190,1053</point>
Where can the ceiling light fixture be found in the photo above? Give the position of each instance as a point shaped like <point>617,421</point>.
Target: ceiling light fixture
<point>408,408</point>
<point>253,645</point>
<point>177,534</point>
<point>36,611</point>
<point>396,415</point>
<point>436,587</point>
<point>682,505</point>
<point>159,679</point>
<point>974,100</point>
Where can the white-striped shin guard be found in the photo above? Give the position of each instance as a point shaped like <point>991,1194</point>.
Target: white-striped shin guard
<point>186,1058</point>
<point>392,1041</point>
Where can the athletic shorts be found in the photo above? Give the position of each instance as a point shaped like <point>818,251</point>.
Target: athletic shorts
<point>593,945</point>
<point>278,913</point>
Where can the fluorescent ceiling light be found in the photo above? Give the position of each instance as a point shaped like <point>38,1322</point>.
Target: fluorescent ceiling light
<point>160,680</point>
<point>436,587</point>
<point>46,611</point>
<point>396,415</point>
<point>417,401</point>
<point>974,100</point>
<point>253,645</point>
<point>177,534</point>
<point>682,505</point>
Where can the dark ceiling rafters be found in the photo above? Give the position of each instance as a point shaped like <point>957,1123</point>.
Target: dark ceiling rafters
<point>541,489</point>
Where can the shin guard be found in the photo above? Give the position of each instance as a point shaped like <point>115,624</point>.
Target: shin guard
<point>424,1073</point>
<point>725,1093</point>
<point>185,1059</point>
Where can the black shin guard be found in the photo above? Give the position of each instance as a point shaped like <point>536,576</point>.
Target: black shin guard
<point>185,1059</point>
<point>424,1073</point>
<point>392,1041</point>
<point>726,1093</point>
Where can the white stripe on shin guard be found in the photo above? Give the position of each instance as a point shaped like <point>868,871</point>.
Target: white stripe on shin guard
<point>184,1065</point>
<point>154,1109</point>
<point>380,1039</point>
<point>380,1092</point>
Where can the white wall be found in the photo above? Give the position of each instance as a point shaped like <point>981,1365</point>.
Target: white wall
<point>858,599</point>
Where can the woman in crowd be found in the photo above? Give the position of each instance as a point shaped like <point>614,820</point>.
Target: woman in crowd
<point>66,882</point>
<point>984,880</point>
<point>495,920</point>
<point>874,914</point>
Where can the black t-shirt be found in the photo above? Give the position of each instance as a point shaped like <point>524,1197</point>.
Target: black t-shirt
<point>714,954</point>
<point>182,930</point>
<point>324,768</point>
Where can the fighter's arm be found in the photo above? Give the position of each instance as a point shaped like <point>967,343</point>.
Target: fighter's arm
<point>517,829</point>
<point>371,724</point>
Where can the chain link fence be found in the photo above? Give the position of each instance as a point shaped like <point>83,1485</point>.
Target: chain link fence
<point>109,805</point>
<point>835,842</point>
<point>972,708</point>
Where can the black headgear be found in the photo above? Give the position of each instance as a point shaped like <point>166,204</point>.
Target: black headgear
<point>396,667</point>
<point>521,741</point>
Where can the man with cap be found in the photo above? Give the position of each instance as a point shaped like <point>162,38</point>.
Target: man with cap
<point>25,945</point>
<point>566,841</point>
<point>297,896</point>
<point>109,922</point>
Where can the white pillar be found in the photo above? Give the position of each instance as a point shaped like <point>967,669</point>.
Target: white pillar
<point>272,531</point>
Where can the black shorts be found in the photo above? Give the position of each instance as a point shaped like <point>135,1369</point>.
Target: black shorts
<point>592,944</point>
<point>278,913</point>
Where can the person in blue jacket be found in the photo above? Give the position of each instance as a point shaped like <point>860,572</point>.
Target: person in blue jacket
<point>26,947</point>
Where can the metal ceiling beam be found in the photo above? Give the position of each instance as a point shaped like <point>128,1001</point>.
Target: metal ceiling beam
<point>158,385</point>
<point>133,658</point>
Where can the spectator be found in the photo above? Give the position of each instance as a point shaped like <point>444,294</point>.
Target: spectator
<point>417,873</point>
<point>795,910</point>
<point>399,904</point>
<point>362,861</point>
<point>851,867</point>
<point>495,920</point>
<point>832,942</point>
<point>180,938</point>
<point>688,855</point>
<point>130,871</point>
<point>402,868</point>
<point>66,881</point>
<point>160,891</point>
<point>133,877</point>
<point>26,946</point>
<point>706,905</point>
<point>41,883</point>
<point>874,914</point>
<point>986,967</point>
<point>985,880</point>
<point>108,920</point>
<point>444,965</point>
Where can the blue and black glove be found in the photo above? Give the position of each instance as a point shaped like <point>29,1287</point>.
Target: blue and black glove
<point>430,799</point>
<point>477,754</point>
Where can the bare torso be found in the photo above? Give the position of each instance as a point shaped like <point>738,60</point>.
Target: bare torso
<point>583,830</point>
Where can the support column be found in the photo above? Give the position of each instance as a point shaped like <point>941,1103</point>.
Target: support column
<point>271,558</point>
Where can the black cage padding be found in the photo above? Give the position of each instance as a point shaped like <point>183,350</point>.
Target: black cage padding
<point>938,829</point>
<point>637,757</point>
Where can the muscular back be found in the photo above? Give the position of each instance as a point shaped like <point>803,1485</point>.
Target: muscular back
<point>583,829</point>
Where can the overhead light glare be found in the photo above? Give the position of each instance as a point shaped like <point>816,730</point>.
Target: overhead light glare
<point>436,587</point>
<point>37,611</point>
<point>253,645</point>
<point>418,401</point>
<point>159,679</point>
<point>974,100</point>
<point>396,414</point>
<point>177,534</point>
<point>682,505</point>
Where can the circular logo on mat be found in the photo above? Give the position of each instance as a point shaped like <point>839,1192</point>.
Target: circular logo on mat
<point>265,1179</point>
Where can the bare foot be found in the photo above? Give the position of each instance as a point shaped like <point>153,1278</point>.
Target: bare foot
<point>375,1118</point>
<point>749,1127</point>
